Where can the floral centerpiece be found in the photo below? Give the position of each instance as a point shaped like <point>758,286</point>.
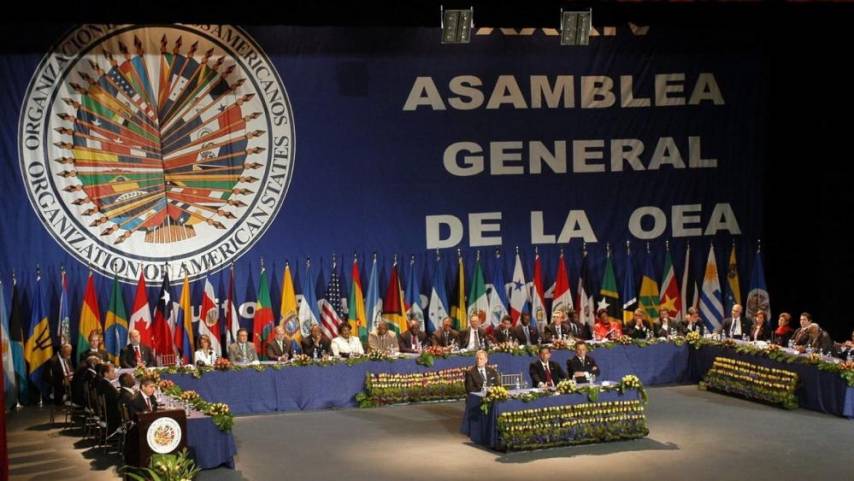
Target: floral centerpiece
<point>494,394</point>
<point>222,364</point>
<point>563,344</point>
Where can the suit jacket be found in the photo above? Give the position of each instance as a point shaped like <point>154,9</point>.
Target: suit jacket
<point>80,383</point>
<point>697,326</point>
<point>235,354</point>
<point>822,342</point>
<point>128,356</point>
<point>579,330</point>
<point>465,335</point>
<point>274,352</point>
<point>574,365</point>
<point>538,373</point>
<point>126,399</point>
<point>661,331</point>
<point>439,338</point>
<point>726,326</point>
<point>405,341</point>
<point>324,346</point>
<point>636,332</point>
<point>501,337</point>
<point>520,335</point>
<point>139,406</point>
<point>57,378</point>
<point>111,402</point>
<point>474,381</point>
<point>762,335</point>
<point>800,336</point>
<point>550,332</point>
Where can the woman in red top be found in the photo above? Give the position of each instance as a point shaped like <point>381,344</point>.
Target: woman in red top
<point>606,328</point>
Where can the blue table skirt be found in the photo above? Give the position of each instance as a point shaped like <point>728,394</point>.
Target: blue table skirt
<point>818,390</point>
<point>482,428</point>
<point>209,446</point>
<point>315,387</point>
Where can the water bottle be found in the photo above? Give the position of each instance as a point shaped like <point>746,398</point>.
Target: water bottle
<point>850,356</point>
<point>518,384</point>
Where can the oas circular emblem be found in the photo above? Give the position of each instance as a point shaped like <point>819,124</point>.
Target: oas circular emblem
<point>163,435</point>
<point>146,148</point>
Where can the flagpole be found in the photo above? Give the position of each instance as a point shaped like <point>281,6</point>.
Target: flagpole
<point>38,279</point>
<point>18,405</point>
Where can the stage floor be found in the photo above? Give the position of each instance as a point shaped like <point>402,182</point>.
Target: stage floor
<point>694,435</point>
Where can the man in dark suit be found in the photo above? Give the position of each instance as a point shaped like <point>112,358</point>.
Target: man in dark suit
<point>144,401</point>
<point>480,375</point>
<point>317,345</point>
<point>135,353</point>
<point>279,348</point>
<point>736,325</point>
<point>577,329</point>
<point>83,378</point>
<point>582,365</point>
<point>61,373</point>
<point>667,325</point>
<point>801,335</point>
<point>504,333</point>
<point>105,389</point>
<point>558,329</point>
<point>446,336</point>
<point>693,322</point>
<point>545,372</point>
<point>413,340</point>
<point>473,337</point>
<point>126,393</point>
<point>638,328</point>
<point>525,333</point>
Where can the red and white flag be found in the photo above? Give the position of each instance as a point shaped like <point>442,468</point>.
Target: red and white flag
<point>562,295</point>
<point>209,317</point>
<point>140,318</point>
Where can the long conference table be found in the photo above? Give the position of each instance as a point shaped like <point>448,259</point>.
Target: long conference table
<point>291,388</point>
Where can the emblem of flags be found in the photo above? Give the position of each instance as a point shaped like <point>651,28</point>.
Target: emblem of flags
<point>518,290</point>
<point>711,307</point>
<point>64,324</point>
<point>497,293</point>
<point>649,295</point>
<point>90,318</point>
<point>161,333</point>
<point>308,312</point>
<point>538,306</point>
<point>39,347</point>
<point>140,318</point>
<point>262,324</point>
<point>758,298</point>
<point>669,299</point>
<point>231,319</point>
<point>478,303</point>
<point>458,308</point>
<point>586,301</point>
<point>209,317</point>
<point>610,296</point>
<point>562,295</point>
<point>438,310</point>
<point>733,286</point>
<point>356,305</point>
<point>630,298</point>
<point>373,303</point>
<point>330,304</point>
<point>115,323</point>
<point>393,304</point>
<point>412,297</point>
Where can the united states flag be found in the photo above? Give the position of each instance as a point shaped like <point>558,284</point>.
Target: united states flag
<point>331,310</point>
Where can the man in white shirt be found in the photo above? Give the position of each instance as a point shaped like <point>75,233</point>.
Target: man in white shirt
<point>346,345</point>
<point>481,376</point>
<point>735,325</point>
<point>382,339</point>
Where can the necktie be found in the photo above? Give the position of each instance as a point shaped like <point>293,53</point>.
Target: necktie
<point>483,375</point>
<point>527,335</point>
<point>147,401</point>
<point>558,331</point>
<point>64,368</point>
<point>446,338</point>
<point>243,350</point>
<point>415,343</point>
<point>476,339</point>
<point>137,354</point>
<point>548,374</point>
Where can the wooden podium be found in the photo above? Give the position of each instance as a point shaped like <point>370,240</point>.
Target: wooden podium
<point>155,432</point>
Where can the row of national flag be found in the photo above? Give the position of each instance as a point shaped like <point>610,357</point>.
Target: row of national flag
<point>171,330</point>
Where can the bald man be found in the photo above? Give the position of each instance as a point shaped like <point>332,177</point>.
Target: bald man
<point>136,354</point>
<point>736,325</point>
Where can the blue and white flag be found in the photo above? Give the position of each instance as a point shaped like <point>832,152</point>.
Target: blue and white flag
<point>758,298</point>
<point>711,304</point>
<point>438,309</point>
